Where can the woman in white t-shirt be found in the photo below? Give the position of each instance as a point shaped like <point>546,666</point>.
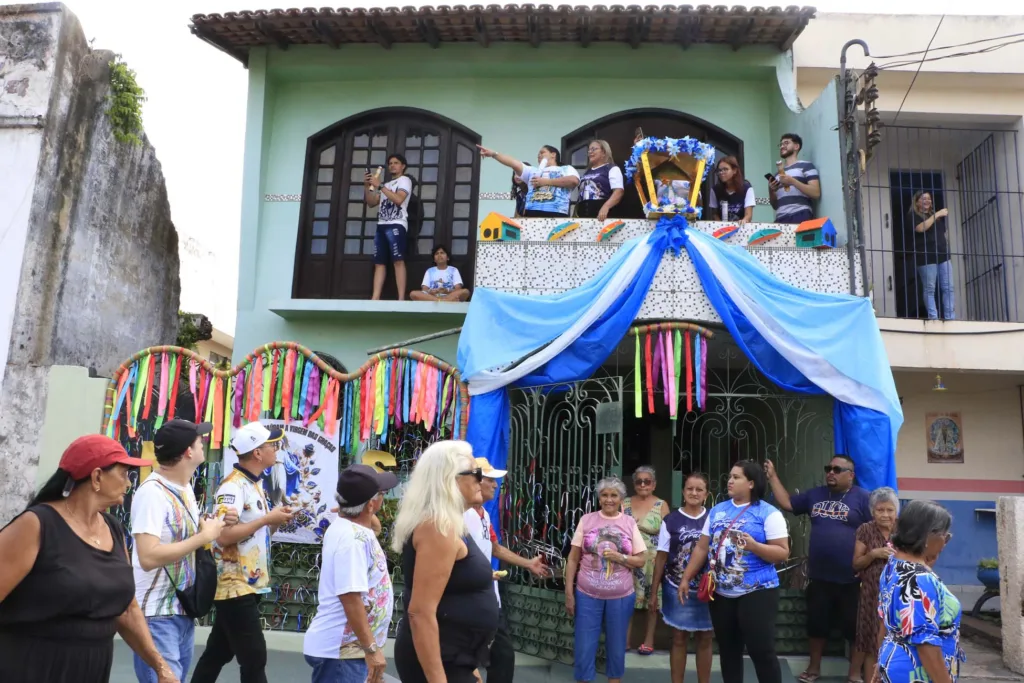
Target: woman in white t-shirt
<point>389,243</point>
<point>550,183</point>
<point>442,282</point>
<point>601,187</point>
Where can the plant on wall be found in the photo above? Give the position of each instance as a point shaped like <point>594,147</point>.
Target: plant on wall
<point>125,103</point>
<point>989,563</point>
<point>192,329</point>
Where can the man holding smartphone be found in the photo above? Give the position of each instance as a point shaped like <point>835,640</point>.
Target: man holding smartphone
<point>795,187</point>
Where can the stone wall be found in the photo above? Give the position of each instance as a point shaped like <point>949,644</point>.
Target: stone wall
<point>99,276</point>
<point>1010,535</point>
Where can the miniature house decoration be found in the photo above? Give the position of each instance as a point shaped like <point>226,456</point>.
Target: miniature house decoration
<point>668,173</point>
<point>498,228</point>
<point>818,233</point>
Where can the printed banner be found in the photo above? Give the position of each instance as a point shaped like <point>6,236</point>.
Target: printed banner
<point>304,478</point>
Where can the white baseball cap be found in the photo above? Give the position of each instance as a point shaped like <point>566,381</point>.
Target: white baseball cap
<point>488,470</point>
<point>248,438</point>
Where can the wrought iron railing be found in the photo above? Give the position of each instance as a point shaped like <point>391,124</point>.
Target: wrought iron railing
<point>974,174</point>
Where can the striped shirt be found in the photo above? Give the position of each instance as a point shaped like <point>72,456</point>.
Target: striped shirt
<point>793,205</point>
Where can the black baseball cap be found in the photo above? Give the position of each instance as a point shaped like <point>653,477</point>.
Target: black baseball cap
<point>176,436</point>
<point>359,483</point>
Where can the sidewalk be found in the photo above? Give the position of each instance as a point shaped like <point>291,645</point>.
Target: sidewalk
<point>286,664</point>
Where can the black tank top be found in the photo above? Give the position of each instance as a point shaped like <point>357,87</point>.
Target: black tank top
<point>468,600</point>
<point>74,590</point>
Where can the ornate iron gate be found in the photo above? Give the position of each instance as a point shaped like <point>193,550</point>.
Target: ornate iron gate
<point>564,439</point>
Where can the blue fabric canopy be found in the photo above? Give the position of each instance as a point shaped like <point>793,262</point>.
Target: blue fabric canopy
<point>803,341</point>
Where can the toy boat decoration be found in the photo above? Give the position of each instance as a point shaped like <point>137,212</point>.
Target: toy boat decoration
<point>763,235</point>
<point>561,231</point>
<point>725,233</point>
<point>607,232</point>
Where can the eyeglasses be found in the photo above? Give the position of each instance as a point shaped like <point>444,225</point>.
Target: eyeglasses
<point>948,536</point>
<point>643,482</point>
<point>478,474</point>
<point>836,469</point>
<point>720,171</point>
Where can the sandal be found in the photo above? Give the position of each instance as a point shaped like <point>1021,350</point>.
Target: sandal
<point>645,650</point>
<point>808,677</point>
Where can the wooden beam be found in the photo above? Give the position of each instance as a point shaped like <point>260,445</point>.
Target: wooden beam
<point>635,31</point>
<point>270,33</point>
<point>429,32</point>
<point>414,340</point>
<point>741,33</point>
<point>379,32</point>
<point>586,31</point>
<point>533,30</point>
<point>480,32</point>
<point>325,32</point>
<point>688,32</point>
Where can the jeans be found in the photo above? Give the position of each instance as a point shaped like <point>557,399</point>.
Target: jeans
<point>503,654</point>
<point>590,614</point>
<point>747,620</point>
<point>174,638</point>
<point>338,670</point>
<point>927,275</point>
<point>237,633</point>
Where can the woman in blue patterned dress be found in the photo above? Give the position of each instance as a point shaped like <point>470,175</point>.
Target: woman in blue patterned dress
<point>920,618</point>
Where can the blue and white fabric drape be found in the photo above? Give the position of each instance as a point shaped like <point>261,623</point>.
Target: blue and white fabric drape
<point>803,341</point>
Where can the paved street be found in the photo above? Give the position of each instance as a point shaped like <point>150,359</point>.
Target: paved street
<point>286,665</point>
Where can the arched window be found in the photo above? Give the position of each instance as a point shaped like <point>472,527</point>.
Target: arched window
<point>334,252</point>
<point>620,129</point>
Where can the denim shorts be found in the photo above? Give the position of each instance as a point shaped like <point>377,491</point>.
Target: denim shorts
<point>389,244</point>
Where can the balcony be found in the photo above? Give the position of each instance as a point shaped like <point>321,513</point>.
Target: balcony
<point>535,266</point>
<point>974,172</point>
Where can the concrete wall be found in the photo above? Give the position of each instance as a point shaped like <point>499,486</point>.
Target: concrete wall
<point>99,273</point>
<point>74,408</point>
<point>991,414</point>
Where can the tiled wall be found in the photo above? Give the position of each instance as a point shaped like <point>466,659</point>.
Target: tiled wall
<point>535,266</point>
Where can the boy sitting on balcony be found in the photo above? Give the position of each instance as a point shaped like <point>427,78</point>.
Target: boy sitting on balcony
<point>442,282</point>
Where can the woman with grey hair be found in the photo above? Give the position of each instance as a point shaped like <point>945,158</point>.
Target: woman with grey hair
<point>871,551</point>
<point>606,547</point>
<point>648,510</point>
<point>920,616</point>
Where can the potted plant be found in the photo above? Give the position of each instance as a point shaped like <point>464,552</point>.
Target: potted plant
<point>988,573</point>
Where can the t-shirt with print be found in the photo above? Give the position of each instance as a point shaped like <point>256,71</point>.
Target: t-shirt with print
<point>170,512</point>
<point>480,529</point>
<point>738,201</point>
<point>600,578</point>
<point>547,197</point>
<point>353,562</point>
<point>389,213</point>
<point>835,518</point>
<point>600,182</point>
<point>678,536</point>
<point>793,205</point>
<point>242,567</point>
<point>737,570</point>
<point>446,279</point>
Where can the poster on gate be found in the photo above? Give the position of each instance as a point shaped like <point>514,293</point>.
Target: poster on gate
<point>304,477</point>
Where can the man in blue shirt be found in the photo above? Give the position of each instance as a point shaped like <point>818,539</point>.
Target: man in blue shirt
<point>836,510</point>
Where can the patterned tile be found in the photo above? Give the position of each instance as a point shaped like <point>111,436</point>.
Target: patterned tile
<point>282,197</point>
<point>495,195</point>
<point>833,271</point>
<point>500,265</point>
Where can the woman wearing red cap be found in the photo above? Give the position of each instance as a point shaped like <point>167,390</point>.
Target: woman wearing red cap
<point>66,584</point>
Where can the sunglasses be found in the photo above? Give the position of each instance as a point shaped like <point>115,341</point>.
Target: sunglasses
<point>836,469</point>
<point>478,474</point>
<point>643,482</point>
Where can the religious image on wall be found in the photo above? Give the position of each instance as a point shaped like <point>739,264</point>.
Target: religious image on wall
<point>945,434</point>
<point>303,478</point>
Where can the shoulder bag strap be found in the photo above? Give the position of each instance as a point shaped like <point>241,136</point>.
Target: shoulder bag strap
<point>713,560</point>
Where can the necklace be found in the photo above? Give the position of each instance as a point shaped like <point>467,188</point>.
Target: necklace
<point>92,538</point>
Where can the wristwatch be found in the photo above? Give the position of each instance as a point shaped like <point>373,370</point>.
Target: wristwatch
<point>371,649</point>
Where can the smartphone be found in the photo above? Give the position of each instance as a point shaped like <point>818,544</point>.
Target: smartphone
<point>769,177</point>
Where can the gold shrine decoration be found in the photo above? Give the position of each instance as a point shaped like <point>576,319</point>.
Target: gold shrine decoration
<point>658,166</point>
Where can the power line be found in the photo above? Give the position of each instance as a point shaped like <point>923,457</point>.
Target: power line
<point>950,47</point>
<point>984,50</point>
<point>914,79</point>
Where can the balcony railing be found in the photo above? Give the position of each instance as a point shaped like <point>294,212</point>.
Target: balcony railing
<point>975,175</point>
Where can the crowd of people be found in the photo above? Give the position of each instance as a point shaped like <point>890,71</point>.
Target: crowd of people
<point>69,583</point>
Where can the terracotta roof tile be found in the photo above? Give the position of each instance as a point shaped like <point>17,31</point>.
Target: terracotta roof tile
<point>236,32</point>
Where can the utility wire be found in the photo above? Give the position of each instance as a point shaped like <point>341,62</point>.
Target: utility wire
<point>920,64</point>
<point>984,50</point>
<point>950,47</point>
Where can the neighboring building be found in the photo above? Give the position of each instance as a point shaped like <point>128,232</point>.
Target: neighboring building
<point>217,349</point>
<point>959,136</point>
<point>88,252</point>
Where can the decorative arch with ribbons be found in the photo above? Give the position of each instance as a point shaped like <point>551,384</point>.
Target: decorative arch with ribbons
<point>288,381</point>
<point>673,355</point>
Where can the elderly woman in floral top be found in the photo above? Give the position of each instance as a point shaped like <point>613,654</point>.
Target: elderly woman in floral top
<point>920,638</point>
<point>648,510</point>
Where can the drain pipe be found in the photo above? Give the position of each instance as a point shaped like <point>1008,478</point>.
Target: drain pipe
<point>851,172</point>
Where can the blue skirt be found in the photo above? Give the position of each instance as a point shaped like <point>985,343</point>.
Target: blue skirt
<point>693,615</point>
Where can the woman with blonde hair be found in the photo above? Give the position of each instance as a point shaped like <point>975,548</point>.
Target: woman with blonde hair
<point>601,186</point>
<point>450,606</point>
